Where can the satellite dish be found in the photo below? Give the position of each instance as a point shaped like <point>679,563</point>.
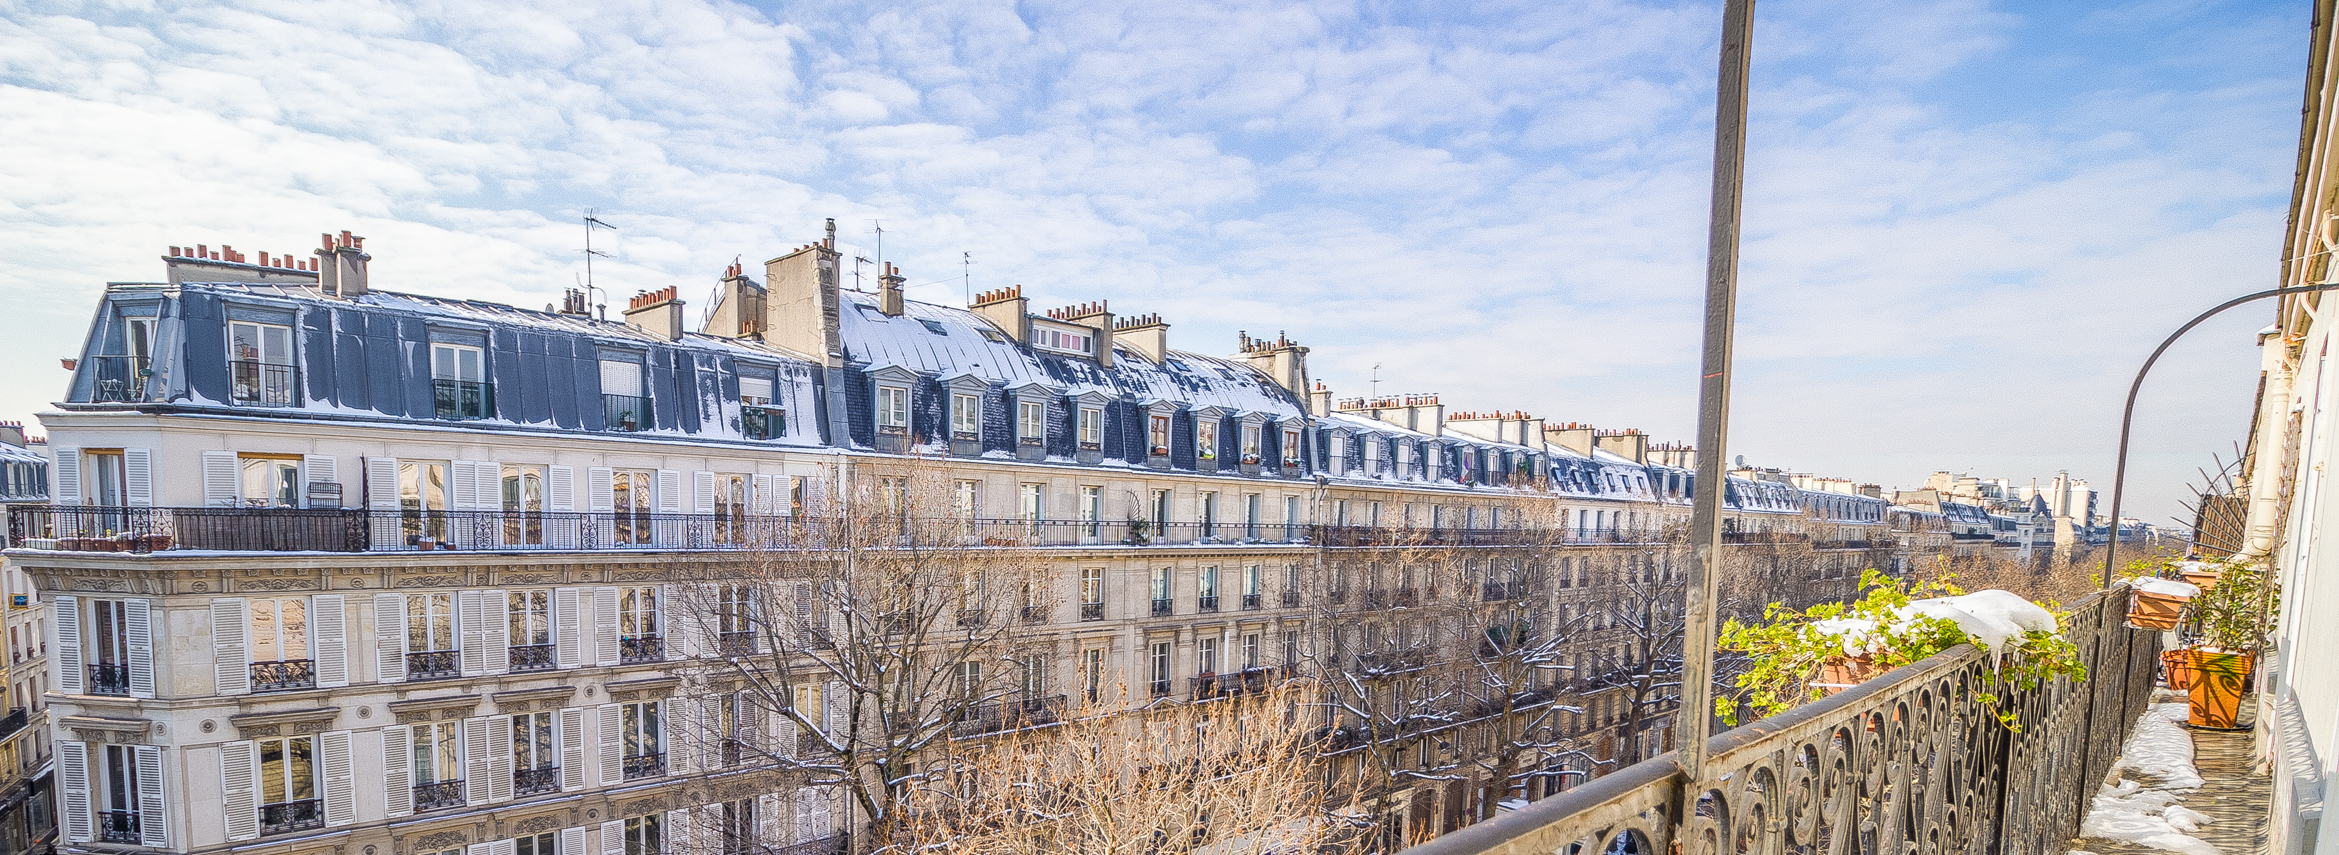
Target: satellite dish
<point>1741,461</point>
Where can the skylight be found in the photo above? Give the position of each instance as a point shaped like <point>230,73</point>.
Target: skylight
<point>933,327</point>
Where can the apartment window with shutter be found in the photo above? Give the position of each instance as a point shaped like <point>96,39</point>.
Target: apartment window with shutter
<point>547,843</point>
<point>638,634</point>
<point>106,640</point>
<point>625,406</point>
<point>530,615</point>
<point>535,756</point>
<point>280,644</point>
<point>731,495</point>
<point>1092,673</point>
<point>270,480</point>
<point>438,765</point>
<point>962,499</point>
<point>1035,502</point>
<point>523,504</point>
<point>423,499</point>
<point>288,785</point>
<point>644,835</point>
<point>737,826</point>
<point>1161,669</point>
<point>117,807</point>
<point>430,636</point>
<point>734,627</point>
<point>635,496</point>
<point>1092,593</point>
<point>104,474</point>
<point>645,748</point>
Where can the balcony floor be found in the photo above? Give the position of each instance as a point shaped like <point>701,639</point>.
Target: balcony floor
<point>2236,800</point>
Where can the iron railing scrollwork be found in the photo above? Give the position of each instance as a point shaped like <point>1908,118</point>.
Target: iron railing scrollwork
<point>117,826</point>
<point>105,679</point>
<point>533,657</point>
<point>542,779</point>
<point>438,794</point>
<point>636,649</point>
<point>432,665</point>
<point>292,816</point>
<point>284,676</point>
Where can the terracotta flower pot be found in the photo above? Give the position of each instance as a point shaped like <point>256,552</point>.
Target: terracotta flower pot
<point>2202,578</point>
<point>1843,672</point>
<point>2217,686</point>
<point>2147,610</point>
<point>2178,665</point>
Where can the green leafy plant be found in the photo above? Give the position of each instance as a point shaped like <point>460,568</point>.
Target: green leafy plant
<point>1789,650</point>
<point>2226,614</point>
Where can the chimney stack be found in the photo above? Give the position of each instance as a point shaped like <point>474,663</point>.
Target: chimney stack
<point>1096,316</point>
<point>1282,360</point>
<point>1320,400</point>
<point>1147,333</point>
<point>1571,436</point>
<point>341,265</point>
<point>1009,309</point>
<point>889,291</point>
<point>657,312</point>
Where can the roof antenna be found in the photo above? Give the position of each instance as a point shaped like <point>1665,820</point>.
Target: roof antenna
<point>1376,381</point>
<point>857,262</point>
<point>590,222</point>
<point>966,276</point>
<point>880,227</point>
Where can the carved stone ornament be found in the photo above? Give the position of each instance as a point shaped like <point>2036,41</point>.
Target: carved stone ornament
<point>278,723</point>
<point>278,585</point>
<point>640,575</point>
<point>637,807</point>
<point>537,824</point>
<point>430,581</point>
<point>438,840</point>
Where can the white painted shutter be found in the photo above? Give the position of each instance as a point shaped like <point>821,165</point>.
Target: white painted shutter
<point>573,740</point>
<point>73,768</point>
<point>770,832</point>
<point>471,633</point>
<point>572,841</point>
<point>466,485</point>
<point>612,838</point>
<point>490,475</point>
<point>220,474</point>
<point>612,745</point>
<point>680,641</point>
<point>239,796</point>
<point>670,491</point>
<point>833,699</point>
<point>761,503</point>
<point>476,757</point>
<point>561,483</point>
<point>321,469</point>
<point>499,758</point>
<point>684,731</point>
<point>230,648</point>
<point>680,833</point>
<point>138,631</point>
<point>381,483</point>
<point>496,627</point>
<point>329,618</point>
<point>65,476</point>
<point>605,626</point>
<point>397,770</point>
<point>67,623</point>
<point>567,633</point>
<point>702,491</point>
<point>340,777</point>
<point>153,820</point>
<point>600,489</point>
<point>506,846</point>
<point>390,637</point>
<point>783,737</point>
<point>138,478</point>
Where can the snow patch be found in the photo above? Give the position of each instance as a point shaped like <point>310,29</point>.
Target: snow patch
<point>2168,587</point>
<point>2162,748</point>
<point>2128,811</point>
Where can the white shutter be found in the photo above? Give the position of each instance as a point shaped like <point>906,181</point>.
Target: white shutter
<point>833,699</point>
<point>783,737</point>
<point>770,832</point>
<point>390,637</point>
<point>340,777</point>
<point>138,631</point>
<point>572,841</point>
<point>679,832</point>
<point>573,740</point>
<point>381,483</point>
<point>670,491</point>
<point>230,650</point>
<point>138,478</point>
<point>600,489</point>
<point>67,622</point>
<point>491,484</point>
<point>680,641</point>
<point>479,849</point>
<point>329,618</point>
<point>613,837</point>
<point>499,758</point>
<point>220,489</point>
<point>397,770</point>
<point>466,485</point>
<point>471,633</point>
<point>605,626</point>
<point>760,504</point>
<point>561,483</point>
<point>567,633</point>
<point>684,731</point>
<point>621,377</point>
<point>702,491</point>
<point>476,757</point>
<point>506,846</point>
<point>612,745</point>
<point>65,475</point>
<point>239,797</point>
<point>73,768</point>
<point>321,469</point>
<point>496,627</point>
<point>153,823</point>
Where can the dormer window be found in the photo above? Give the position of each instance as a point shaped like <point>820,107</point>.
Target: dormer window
<point>1031,421</point>
<point>260,372</point>
<point>1092,428</point>
<point>1157,433</point>
<point>457,381</point>
<point>1250,443</point>
<point>966,415</point>
<point>1078,340</point>
<point>1291,447</point>
<point>623,406</point>
<point>1372,456</point>
<point>758,419</point>
<point>1206,438</point>
<point>893,409</point>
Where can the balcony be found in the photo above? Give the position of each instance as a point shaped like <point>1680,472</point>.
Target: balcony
<point>1793,782</point>
<point>533,657</point>
<point>432,665</point>
<point>542,779</point>
<point>261,384</point>
<point>637,649</point>
<point>1162,607</point>
<point>12,722</point>
<point>762,422</point>
<point>1034,614</point>
<point>1497,591</point>
<point>438,794</point>
<point>117,826</point>
<point>970,618</point>
<point>117,380</point>
<point>645,765</point>
<point>735,642</point>
<point>1207,603</point>
<point>1248,680</point>
<point>1011,714</point>
<point>1092,611</point>
<point>285,676</point>
<point>625,412</point>
<point>1251,602</point>
<point>463,399</point>
<point>1291,599</point>
<point>296,816</point>
<point>109,680</point>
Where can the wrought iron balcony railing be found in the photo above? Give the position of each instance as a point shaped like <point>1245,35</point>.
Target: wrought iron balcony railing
<point>1291,599</point>
<point>1251,601</point>
<point>533,657</point>
<point>292,816</point>
<point>287,675</point>
<point>1162,607</point>
<point>432,665</point>
<point>1910,761</point>
<point>1034,614</point>
<point>463,399</point>
<point>1092,611</point>
<point>762,422</point>
<point>648,765</point>
<point>542,779</point>
<point>118,379</point>
<point>1206,603</point>
<point>117,826</point>
<point>1010,714</point>
<point>736,642</point>
<point>260,384</point>
<point>626,412</point>
<point>109,679</point>
<point>438,794</point>
<point>12,722</point>
<point>636,649</point>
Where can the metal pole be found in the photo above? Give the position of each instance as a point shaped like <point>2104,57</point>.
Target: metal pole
<point>1713,402</point>
<point>2111,548</point>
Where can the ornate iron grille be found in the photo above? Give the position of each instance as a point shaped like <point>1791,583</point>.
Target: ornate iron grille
<point>117,826</point>
<point>292,816</point>
<point>634,649</point>
<point>542,779</point>
<point>645,765</point>
<point>440,794</point>
<point>284,676</point>
<point>109,680</point>
<point>532,657</point>
<point>432,665</point>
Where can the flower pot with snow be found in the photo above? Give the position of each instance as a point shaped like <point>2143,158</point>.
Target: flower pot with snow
<point>2198,574</point>
<point>2178,666</point>
<point>2216,693</point>
<point>2159,603</point>
<point>1838,673</point>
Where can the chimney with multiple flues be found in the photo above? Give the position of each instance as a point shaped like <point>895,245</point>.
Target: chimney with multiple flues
<point>657,312</point>
<point>342,265</point>
<point>1008,309</point>
<point>1097,316</point>
<point>1147,333</point>
<point>889,291</point>
<point>202,263</point>
<point>1413,411</point>
<point>1282,360</point>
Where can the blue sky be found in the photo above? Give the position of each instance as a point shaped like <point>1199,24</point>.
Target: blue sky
<point>1966,222</point>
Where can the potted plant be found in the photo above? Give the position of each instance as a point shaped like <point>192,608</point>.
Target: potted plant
<point>2224,652</point>
<point>1138,529</point>
<point>2158,603</point>
<point>2200,574</point>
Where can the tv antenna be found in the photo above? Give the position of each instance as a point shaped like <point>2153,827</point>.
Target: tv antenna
<point>880,227</point>
<point>1376,381</point>
<point>966,277</point>
<point>858,260</point>
<point>592,222</point>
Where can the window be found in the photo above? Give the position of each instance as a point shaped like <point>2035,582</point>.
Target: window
<point>1157,433</point>
<point>1291,647</point>
<point>118,803</point>
<point>643,836</point>
<point>734,620</point>
<point>634,497</point>
<point>1031,421</point>
<point>1161,502</point>
<point>1057,338</point>
<point>893,409</point>
<point>423,500</point>
<point>1034,675</point>
<point>1161,668</point>
<point>535,757</point>
<point>808,704</point>
<point>1250,651</point>
<point>1092,673</point>
<point>731,494</point>
<point>108,648</point>
<point>280,644</point>
<point>1251,515</point>
<point>968,683</point>
<point>624,406</point>
<point>1206,438</point>
<point>547,843</point>
<point>270,481</point>
<point>1251,585</point>
<point>966,416</point>
<point>1092,428</point>
<point>288,784</point>
<point>430,636</point>
<point>457,381</point>
<point>962,499</point>
<point>523,503</point>
<point>1290,517</point>
<point>259,365</point>
<point>1291,447</point>
<point>1035,502</point>
<point>645,750</point>
<point>1209,514</point>
<point>1161,591</point>
<point>1250,443</point>
<point>637,625</point>
<point>1208,589</point>
<point>105,478</point>
<point>1206,656</point>
<point>737,822</point>
<point>1092,593</point>
<point>530,615</point>
<point>438,765</point>
<point>758,419</point>
<point>1092,510</point>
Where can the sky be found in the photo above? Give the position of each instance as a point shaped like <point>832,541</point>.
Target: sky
<point>1966,223</point>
